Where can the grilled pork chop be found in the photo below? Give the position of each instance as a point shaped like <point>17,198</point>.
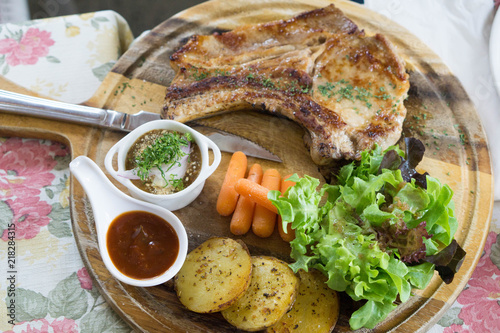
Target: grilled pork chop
<point>318,69</point>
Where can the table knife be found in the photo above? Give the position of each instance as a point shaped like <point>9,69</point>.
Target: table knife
<point>114,120</point>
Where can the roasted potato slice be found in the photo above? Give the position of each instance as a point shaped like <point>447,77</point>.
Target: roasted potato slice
<point>271,294</point>
<point>316,308</point>
<point>214,275</point>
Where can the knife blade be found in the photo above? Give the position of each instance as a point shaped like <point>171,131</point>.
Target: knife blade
<point>44,108</point>
<point>229,142</point>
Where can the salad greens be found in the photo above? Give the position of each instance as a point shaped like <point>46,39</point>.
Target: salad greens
<point>377,232</point>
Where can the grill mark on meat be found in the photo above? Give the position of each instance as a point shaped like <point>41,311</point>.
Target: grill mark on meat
<point>231,82</point>
<point>317,69</point>
<point>297,105</point>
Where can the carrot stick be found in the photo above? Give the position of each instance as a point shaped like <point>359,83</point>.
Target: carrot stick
<point>256,192</point>
<point>241,220</point>
<point>264,219</point>
<point>226,202</point>
<point>290,233</point>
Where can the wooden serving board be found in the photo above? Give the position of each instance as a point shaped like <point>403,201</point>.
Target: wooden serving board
<point>439,113</point>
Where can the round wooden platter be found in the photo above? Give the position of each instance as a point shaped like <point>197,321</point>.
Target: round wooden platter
<point>439,113</point>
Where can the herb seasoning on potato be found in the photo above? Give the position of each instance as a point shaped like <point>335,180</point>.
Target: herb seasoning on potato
<point>272,292</point>
<point>214,275</point>
<point>316,307</point>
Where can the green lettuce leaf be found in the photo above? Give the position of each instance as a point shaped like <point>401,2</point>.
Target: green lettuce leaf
<point>369,232</point>
<point>370,314</point>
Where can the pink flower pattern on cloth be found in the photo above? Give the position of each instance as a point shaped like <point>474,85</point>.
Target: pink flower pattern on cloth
<point>27,49</point>
<point>59,325</point>
<point>25,168</point>
<point>84,278</point>
<point>480,299</point>
<point>30,182</point>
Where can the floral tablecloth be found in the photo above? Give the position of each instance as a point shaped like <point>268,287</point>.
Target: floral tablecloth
<point>44,286</point>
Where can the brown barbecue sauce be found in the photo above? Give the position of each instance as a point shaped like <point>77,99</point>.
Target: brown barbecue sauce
<point>142,245</point>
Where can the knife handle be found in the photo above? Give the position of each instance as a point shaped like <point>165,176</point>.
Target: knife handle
<point>44,108</point>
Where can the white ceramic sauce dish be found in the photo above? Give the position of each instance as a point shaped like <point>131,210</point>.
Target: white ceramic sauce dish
<point>175,200</point>
<point>108,203</point>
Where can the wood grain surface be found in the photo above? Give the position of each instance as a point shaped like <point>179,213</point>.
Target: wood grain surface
<point>439,113</point>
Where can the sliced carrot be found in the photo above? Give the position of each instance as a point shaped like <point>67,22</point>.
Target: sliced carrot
<point>228,197</point>
<point>264,219</point>
<point>256,192</point>
<point>241,221</point>
<point>290,233</point>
